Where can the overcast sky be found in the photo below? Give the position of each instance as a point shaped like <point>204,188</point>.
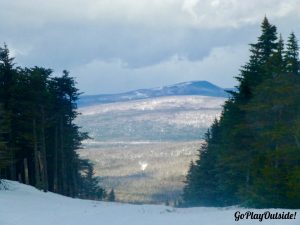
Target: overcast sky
<point>113,46</point>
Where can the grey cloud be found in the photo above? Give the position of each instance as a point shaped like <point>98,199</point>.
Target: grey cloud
<point>133,43</point>
<point>67,45</point>
<point>218,67</point>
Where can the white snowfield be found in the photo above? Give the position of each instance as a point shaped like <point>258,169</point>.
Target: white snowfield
<point>190,102</point>
<point>24,205</point>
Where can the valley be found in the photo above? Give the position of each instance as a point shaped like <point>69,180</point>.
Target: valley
<point>142,148</point>
<point>142,172</point>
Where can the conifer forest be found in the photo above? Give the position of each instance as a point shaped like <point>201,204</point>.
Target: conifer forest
<point>38,136</point>
<point>251,155</point>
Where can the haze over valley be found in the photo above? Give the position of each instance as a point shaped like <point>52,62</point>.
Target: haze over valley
<point>142,148</point>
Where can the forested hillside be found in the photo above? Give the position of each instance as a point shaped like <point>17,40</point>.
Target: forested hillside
<point>252,153</point>
<point>38,138</point>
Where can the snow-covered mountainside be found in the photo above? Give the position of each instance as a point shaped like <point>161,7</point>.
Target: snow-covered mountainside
<point>202,88</point>
<point>172,118</point>
<point>24,205</point>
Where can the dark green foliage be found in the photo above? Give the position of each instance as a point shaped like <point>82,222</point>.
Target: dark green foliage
<point>292,55</point>
<point>111,196</point>
<point>251,155</point>
<point>3,147</point>
<point>90,187</point>
<point>38,138</point>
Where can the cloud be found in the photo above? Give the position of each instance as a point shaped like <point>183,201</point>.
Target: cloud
<point>219,67</point>
<point>155,13</point>
<point>120,39</point>
<point>236,13</point>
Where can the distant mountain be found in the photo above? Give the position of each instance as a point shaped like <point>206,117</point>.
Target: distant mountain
<point>202,88</point>
<point>168,118</point>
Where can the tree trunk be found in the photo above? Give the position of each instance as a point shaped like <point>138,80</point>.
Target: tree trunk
<point>63,159</point>
<point>297,142</point>
<point>36,157</point>
<point>55,161</point>
<point>26,174</point>
<point>12,166</point>
<point>43,153</point>
<point>20,178</point>
<point>75,185</point>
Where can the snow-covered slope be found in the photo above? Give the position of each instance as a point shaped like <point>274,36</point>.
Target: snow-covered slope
<point>202,88</point>
<point>188,102</point>
<point>24,205</point>
<point>163,118</point>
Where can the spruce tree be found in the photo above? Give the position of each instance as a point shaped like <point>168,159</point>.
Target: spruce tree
<point>38,136</point>
<point>111,196</point>
<point>251,155</point>
<point>7,85</point>
<point>292,54</point>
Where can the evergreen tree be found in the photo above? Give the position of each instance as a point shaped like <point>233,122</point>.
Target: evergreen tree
<point>273,123</point>
<point>251,155</point>
<point>267,42</point>
<point>90,188</point>
<point>111,196</point>
<point>7,85</point>
<point>292,54</point>
<point>38,136</point>
<point>201,183</point>
<point>189,191</point>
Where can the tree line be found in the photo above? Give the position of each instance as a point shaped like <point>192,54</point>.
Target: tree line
<point>251,155</point>
<point>38,136</point>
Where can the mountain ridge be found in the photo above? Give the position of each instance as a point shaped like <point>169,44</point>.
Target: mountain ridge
<point>203,88</point>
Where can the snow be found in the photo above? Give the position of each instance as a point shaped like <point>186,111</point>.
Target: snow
<point>143,165</point>
<point>159,103</point>
<point>24,205</point>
